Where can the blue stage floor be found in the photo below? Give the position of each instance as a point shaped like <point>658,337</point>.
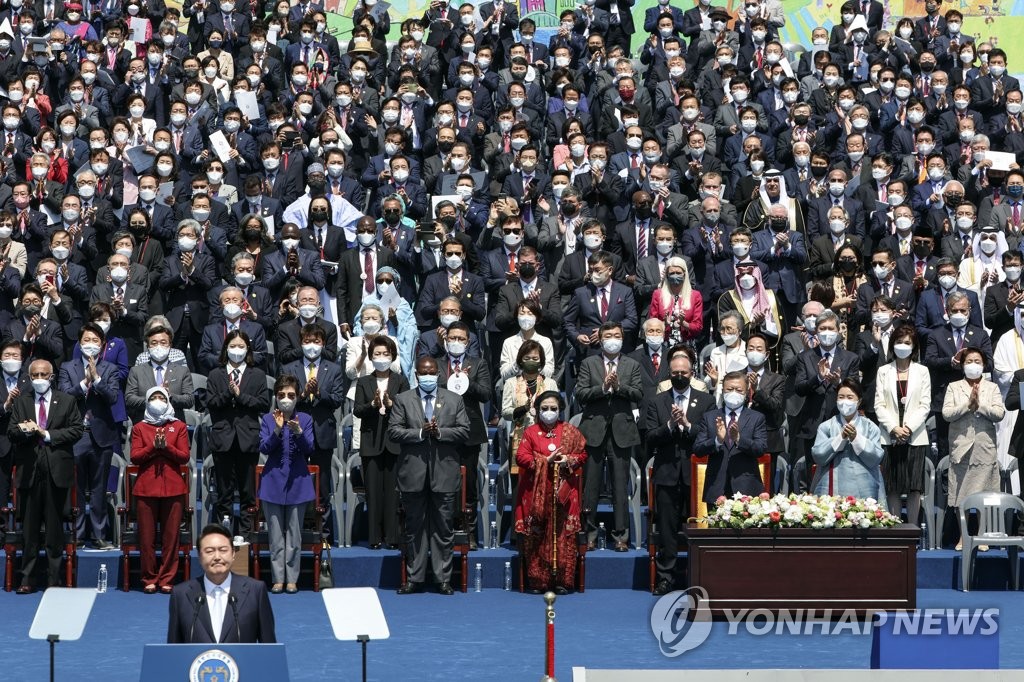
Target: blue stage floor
<point>488,636</point>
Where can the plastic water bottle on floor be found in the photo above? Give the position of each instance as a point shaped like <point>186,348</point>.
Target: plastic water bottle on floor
<point>494,535</point>
<point>493,492</point>
<point>508,576</point>
<point>101,579</point>
<point>602,537</point>
<point>478,578</point>
<point>226,522</point>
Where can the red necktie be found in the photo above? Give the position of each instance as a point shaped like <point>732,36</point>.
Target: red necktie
<point>656,361</point>
<point>368,283</point>
<point>512,262</point>
<point>507,141</point>
<point>1016,213</point>
<point>634,162</point>
<point>604,304</point>
<point>41,422</point>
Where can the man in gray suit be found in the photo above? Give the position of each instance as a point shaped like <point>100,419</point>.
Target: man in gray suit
<point>428,423</point>
<point>175,377</point>
<point>608,389</point>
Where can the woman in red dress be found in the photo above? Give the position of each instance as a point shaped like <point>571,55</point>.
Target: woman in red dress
<point>159,447</point>
<point>547,520</point>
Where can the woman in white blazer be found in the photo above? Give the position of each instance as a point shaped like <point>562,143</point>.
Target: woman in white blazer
<point>903,393</point>
<point>973,407</point>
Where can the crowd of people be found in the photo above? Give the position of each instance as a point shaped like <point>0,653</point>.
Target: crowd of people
<point>686,237</point>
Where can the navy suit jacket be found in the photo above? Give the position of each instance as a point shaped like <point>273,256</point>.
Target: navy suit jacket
<point>787,267</point>
<point>583,314</point>
<point>213,340</point>
<point>821,405</point>
<point>192,290</point>
<point>939,351</point>
<point>321,406</point>
<point>255,622</point>
<point>310,273</point>
<point>931,311</point>
<point>732,468</point>
<point>435,288</point>
<point>103,402</point>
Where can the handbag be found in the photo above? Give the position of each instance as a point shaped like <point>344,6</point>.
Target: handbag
<point>326,570</point>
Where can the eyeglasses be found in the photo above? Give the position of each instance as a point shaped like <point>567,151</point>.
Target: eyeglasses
<point>513,230</point>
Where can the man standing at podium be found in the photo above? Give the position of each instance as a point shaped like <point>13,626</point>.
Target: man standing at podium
<point>220,606</point>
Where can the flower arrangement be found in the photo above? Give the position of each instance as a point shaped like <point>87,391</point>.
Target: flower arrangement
<point>798,511</point>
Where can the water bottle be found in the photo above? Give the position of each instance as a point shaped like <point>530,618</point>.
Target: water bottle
<point>101,579</point>
<point>226,522</point>
<point>494,535</point>
<point>508,576</point>
<point>492,488</point>
<point>602,537</point>
<point>478,578</point>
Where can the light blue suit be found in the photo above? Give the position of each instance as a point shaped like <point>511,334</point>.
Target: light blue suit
<point>854,467</point>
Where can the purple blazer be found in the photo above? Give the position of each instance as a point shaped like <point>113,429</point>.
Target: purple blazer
<point>286,478</point>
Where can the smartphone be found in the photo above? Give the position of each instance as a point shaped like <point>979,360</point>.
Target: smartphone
<point>51,279</point>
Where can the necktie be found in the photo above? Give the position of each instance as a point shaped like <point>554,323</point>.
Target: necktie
<point>463,120</point>
<point>1016,213</point>
<point>177,141</point>
<point>368,271</point>
<point>119,293</point>
<point>311,372</point>
<point>634,161</point>
<point>828,360</point>
<point>904,247</point>
<point>759,57</point>
<point>512,261</point>
<point>217,611</point>
<point>456,367</point>
<point>959,335</point>
<point>305,54</point>
<point>641,240</point>
<point>604,304</point>
<point>728,428</point>
<point>428,406</point>
<point>159,375</point>
<point>883,194</point>
<point>235,375</point>
<point>611,367</point>
<point>507,142</point>
<point>751,385</point>
<point>42,413</point>
<point>656,361</point>
<point>919,268</point>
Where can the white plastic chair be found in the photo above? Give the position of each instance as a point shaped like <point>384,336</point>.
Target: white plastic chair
<point>993,509</point>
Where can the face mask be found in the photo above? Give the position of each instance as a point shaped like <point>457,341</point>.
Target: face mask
<point>828,338</point>
<point>548,416</point>
<point>527,322</point>
<point>960,104</point>
<point>747,282</point>
<point>988,247</point>
<point>665,248</point>
<point>881,272</point>
<point>756,167</point>
<point>164,169</point>
<point>312,351</point>
<point>734,400</point>
<point>70,215</point>
<point>755,358</point>
<point>448,320</point>
<point>611,346</point>
<point>836,189</point>
<point>400,176</point>
<point>879,173</point>
<point>883,320</point>
<point>1015,190</point>
<point>847,408</point>
<point>307,312</point>
<point>739,96</point>
<point>958,320</point>
<point>973,371</point>
<point>284,404</point>
<point>592,241</point>
<point>186,244</point>
<point>729,339</point>
<point>810,325</point>
<point>60,252</point>
<point>1014,108</point>
<point>41,386</point>
<point>634,143</point>
<point>964,223</point>
<point>39,172</point>
<point>1012,273</point>
<point>740,250</point>
<point>966,135</point>
<point>11,366</point>
<point>947,282</point>
<point>201,214</point>
<point>453,262</point>
<point>748,126</point>
<point>119,274</point>
<point>427,382</point>
<point>903,350</point>
<point>996,71</point>
<point>90,350</point>
<point>456,348</point>
<point>380,364</point>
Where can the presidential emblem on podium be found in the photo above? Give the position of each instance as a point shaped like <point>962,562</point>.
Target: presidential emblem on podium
<point>213,666</point>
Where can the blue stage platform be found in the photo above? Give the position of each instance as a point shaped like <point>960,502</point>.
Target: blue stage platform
<point>606,570</point>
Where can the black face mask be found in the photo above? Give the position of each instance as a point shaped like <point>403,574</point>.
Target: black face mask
<point>445,146</point>
<point>253,234</point>
<point>570,209</point>
<point>317,186</point>
<point>392,217</point>
<point>780,224</point>
<point>527,270</point>
<point>801,119</point>
<point>848,265</point>
<point>643,212</point>
<point>922,252</point>
<point>680,383</point>
<point>448,221</point>
<point>927,67</point>
<point>819,171</point>
<point>318,215</point>
<point>954,200</point>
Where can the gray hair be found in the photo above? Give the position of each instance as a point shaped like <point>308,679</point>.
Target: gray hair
<point>826,315</point>
<point>157,321</point>
<point>732,315</point>
<point>231,289</point>
<point>371,306</point>
<point>189,222</point>
<point>956,297</point>
<point>240,256</point>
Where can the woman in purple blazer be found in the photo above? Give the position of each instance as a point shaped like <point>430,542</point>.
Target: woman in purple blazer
<point>286,486</point>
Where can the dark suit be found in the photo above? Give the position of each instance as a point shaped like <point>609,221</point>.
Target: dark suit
<point>351,279</point>
<point>321,406</point>
<point>6,450</point>
<point>902,295</point>
<point>379,454</point>
<point>931,311</point>
<point>129,325</point>
<point>820,399</point>
<point>141,378</point>
<point>428,478</point>
<point>583,315</point>
<point>179,291</point>
<point>672,448</point>
<point>48,345</point>
<point>997,317</point>
<point>255,619</point>
<point>611,433</point>
<point>216,333</point>
<point>732,467</point>
<point>276,273</point>
<point>436,288</point>
<point>288,347</point>
<point>44,476</point>
<point>770,400</point>
<point>235,438</point>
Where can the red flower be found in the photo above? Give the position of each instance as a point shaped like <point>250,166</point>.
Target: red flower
<point>765,496</point>
<point>879,513</point>
<point>851,499</point>
<point>746,514</point>
<point>775,517</point>
<point>839,515</point>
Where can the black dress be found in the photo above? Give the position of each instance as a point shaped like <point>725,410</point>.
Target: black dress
<point>903,466</point>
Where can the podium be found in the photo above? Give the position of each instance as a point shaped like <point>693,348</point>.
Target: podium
<point>221,662</point>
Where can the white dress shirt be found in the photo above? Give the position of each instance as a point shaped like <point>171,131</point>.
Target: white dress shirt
<point>217,602</point>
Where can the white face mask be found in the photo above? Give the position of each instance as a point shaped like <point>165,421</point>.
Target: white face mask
<point>11,366</point>
<point>160,353</point>
<point>740,250</point>
<point>747,282</point>
<point>371,326</point>
<point>947,281</point>
<point>236,354</point>
<point>1012,273</point>
<point>312,351</point>
<point>456,348</point>
<point>973,371</point>
<point>847,408</point>
<point>307,312</point>
<point>548,416</point>
<point>903,350</point>
<point>611,346</point>
<point>883,320</point>
<point>734,400</point>
<point>729,339</point>
<point>381,364</point>
<point>90,350</point>
<point>755,358</point>
<point>286,404</point>
<point>828,338</point>
<point>959,320</point>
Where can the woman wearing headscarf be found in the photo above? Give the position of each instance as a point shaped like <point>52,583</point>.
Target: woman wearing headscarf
<point>547,513</point>
<point>159,445</point>
<point>400,321</point>
<point>757,305</point>
<point>678,305</point>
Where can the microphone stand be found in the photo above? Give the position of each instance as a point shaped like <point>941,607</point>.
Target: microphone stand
<point>232,599</point>
<point>200,600</point>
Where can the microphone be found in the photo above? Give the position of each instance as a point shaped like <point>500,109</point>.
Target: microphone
<point>200,600</point>
<point>233,600</point>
